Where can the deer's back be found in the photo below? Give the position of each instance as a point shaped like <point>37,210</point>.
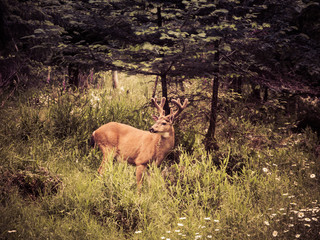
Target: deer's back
<point>129,142</point>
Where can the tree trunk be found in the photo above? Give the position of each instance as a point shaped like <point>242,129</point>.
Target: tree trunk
<point>210,142</point>
<point>159,17</point>
<point>163,76</point>
<point>266,94</point>
<point>155,87</point>
<point>165,92</point>
<point>115,79</point>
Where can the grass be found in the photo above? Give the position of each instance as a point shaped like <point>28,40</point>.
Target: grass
<point>261,184</point>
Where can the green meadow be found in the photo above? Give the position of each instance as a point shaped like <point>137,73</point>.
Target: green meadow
<point>262,183</point>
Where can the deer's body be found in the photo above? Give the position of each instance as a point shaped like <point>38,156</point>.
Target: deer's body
<point>136,146</point>
<point>133,145</point>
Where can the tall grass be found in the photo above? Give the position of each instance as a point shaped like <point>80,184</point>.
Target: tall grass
<point>261,184</point>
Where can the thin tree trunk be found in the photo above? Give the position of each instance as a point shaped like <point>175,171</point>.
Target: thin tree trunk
<point>210,142</point>
<point>155,87</point>
<point>115,79</point>
<point>266,94</point>
<point>163,76</point>
<point>159,17</point>
<point>165,93</point>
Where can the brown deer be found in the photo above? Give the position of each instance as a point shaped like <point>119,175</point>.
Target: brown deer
<point>136,146</point>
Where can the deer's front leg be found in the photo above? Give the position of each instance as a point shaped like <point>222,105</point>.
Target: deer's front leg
<point>139,174</point>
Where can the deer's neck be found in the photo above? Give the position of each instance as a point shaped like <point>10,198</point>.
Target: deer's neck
<point>165,145</point>
<point>164,135</point>
<point>167,136</point>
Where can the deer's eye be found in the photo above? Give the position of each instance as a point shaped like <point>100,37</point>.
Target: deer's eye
<point>164,123</point>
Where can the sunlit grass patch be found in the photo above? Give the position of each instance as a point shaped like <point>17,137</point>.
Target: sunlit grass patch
<point>261,184</point>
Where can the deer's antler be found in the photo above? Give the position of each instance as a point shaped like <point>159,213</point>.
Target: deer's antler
<point>159,107</point>
<point>180,107</point>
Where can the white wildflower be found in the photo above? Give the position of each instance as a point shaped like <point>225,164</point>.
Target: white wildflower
<point>275,233</point>
<point>197,237</point>
<point>312,175</point>
<point>300,214</point>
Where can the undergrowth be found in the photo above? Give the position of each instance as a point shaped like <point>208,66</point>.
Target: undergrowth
<point>261,184</point>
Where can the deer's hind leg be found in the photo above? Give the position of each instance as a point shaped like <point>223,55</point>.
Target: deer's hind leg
<point>139,176</point>
<point>106,151</point>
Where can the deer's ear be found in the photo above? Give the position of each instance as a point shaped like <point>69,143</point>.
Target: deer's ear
<point>155,118</point>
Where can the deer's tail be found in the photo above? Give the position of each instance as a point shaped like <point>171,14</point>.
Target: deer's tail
<point>92,141</point>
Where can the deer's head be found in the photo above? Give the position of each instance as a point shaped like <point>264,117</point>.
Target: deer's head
<point>164,122</point>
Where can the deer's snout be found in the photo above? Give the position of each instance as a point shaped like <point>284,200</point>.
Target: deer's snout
<point>151,130</point>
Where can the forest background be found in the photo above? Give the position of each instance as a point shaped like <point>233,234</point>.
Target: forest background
<point>246,162</point>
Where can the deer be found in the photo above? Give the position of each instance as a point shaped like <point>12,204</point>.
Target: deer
<point>138,147</point>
